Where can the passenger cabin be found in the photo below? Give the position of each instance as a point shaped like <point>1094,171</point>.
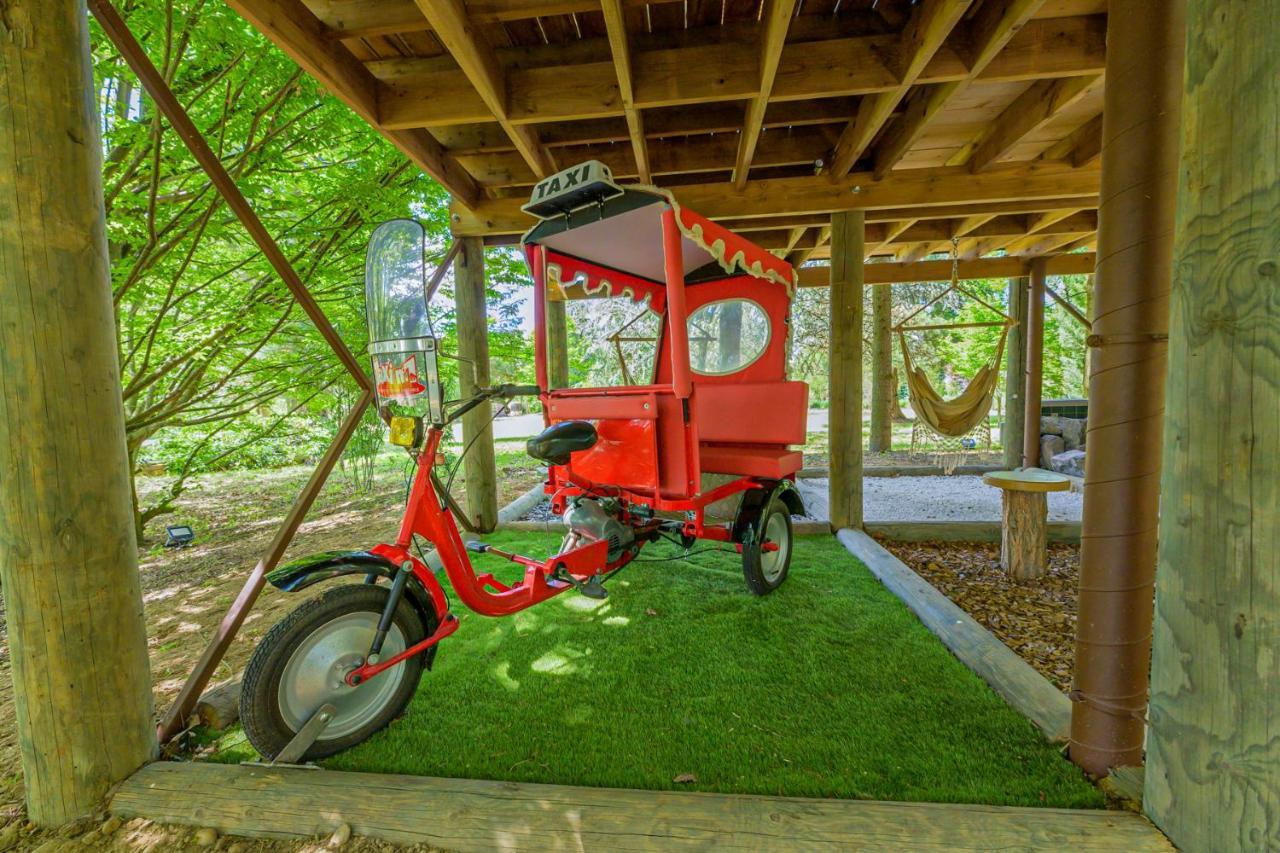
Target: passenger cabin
<point>714,397</point>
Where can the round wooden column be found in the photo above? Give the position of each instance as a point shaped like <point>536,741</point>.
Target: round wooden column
<point>557,344</point>
<point>1140,138</point>
<point>1033,386</point>
<point>1015,351</point>
<point>882,385</point>
<point>844,429</point>
<point>68,556</point>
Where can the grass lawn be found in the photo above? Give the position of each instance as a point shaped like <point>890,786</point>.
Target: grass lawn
<point>827,688</point>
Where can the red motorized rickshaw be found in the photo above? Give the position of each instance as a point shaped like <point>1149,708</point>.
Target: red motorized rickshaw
<point>626,464</point>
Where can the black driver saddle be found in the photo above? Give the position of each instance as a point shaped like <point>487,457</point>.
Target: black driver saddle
<point>556,442</point>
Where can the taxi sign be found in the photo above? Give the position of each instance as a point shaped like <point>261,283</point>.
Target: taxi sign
<point>586,183</point>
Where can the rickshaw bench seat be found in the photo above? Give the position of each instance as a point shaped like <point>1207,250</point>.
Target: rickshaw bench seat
<point>770,463</point>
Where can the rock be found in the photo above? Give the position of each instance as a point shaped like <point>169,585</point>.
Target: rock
<point>1050,445</point>
<point>1070,462</point>
<point>1073,432</point>
<point>206,837</point>
<point>110,825</point>
<point>238,847</point>
<point>1050,425</point>
<point>340,836</point>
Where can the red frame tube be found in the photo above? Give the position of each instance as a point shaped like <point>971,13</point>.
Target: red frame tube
<point>677,313</point>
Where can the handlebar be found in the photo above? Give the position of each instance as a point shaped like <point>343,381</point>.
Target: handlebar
<point>491,392</point>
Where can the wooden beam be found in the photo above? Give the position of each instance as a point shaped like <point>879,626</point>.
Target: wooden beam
<point>355,19</point>
<point>720,71</point>
<point>478,62</point>
<point>1030,111</point>
<point>845,365</point>
<point>616,26</point>
<point>1011,431</point>
<point>897,273</point>
<point>81,700</point>
<point>296,31</point>
<point>930,24</point>
<point>773,35</point>
<point>914,188</point>
<point>1211,749</point>
<point>996,22</point>
<point>1087,146</point>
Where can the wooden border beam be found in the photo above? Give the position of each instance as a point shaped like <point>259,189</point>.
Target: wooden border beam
<point>930,24</point>
<point>355,19</point>
<point>773,36</point>
<point>296,31</point>
<point>480,65</point>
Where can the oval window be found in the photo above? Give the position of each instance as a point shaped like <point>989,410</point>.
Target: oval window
<point>726,336</point>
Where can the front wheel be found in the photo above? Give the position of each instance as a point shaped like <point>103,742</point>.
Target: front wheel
<point>766,567</point>
<point>303,661</point>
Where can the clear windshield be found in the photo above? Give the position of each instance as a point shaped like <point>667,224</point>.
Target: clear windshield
<point>395,281</point>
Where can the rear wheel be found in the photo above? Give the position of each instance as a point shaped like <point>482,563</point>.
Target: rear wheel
<point>764,565</point>
<point>303,661</point>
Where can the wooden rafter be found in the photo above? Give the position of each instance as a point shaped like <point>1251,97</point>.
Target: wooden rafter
<point>930,24</point>
<point>899,273</point>
<point>616,26</point>
<point>773,35</point>
<point>448,18</point>
<point>298,32</point>
<point>1029,112</point>
<point>352,19</point>
<point>1083,147</point>
<point>987,34</point>
<point>891,232</point>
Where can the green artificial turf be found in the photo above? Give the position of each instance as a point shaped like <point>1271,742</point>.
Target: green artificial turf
<point>829,687</point>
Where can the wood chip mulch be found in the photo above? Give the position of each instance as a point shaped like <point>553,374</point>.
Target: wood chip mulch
<point>1036,619</point>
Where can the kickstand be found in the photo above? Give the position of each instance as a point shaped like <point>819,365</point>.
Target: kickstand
<point>302,741</point>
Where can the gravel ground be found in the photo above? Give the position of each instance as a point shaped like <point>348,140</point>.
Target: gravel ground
<point>956,498</point>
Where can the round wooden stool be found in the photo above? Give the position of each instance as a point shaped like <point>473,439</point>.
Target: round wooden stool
<point>1026,510</point>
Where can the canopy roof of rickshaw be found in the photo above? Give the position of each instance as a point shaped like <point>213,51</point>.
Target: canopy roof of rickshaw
<point>624,233</point>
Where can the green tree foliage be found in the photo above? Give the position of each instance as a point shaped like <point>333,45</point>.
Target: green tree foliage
<point>219,366</point>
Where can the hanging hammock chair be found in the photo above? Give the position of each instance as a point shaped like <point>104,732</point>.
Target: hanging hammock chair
<point>960,415</point>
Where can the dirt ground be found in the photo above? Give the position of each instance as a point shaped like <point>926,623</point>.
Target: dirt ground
<point>186,592</point>
<point>1036,619</point>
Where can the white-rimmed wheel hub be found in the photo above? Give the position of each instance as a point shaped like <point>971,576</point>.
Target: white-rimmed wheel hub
<point>766,556</point>
<point>303,663</point>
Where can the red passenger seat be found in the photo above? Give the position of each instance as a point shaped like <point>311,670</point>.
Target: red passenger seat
<point>745,428</point>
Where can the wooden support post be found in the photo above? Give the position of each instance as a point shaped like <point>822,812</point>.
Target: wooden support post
<point>480,469</point>
<point>1033,388</point>
<point>1015,386</point>
<point>729,335</point>
<point>845,426</point>
<point>1122,508</point>
<point>882,384</point>
<point>68,554</point>
<point>557,344</point>
<point>1211,776</point>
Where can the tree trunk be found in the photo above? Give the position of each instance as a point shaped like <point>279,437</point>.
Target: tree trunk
<point>845,427</point>
<point>557,344</point>
<point>480,467</point>
<point>883,399</point>
<point>1023,534</point>
<point>68,555</point>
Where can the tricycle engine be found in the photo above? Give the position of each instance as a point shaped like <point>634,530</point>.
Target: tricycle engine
<point>594,519</point>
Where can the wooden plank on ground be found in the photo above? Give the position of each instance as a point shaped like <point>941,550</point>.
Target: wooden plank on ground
<point>962,531</point>
<point>468,814</point>
<point>1026,691</point>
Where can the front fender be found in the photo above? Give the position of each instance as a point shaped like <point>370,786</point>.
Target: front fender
<point>299,574</point>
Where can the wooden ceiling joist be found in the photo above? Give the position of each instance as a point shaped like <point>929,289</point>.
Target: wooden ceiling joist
<point>773,36</point>
<point>899,273</point>
<point>448,18</point>
<point>995,23</point>
<point>1035,107</point>
<point>304,38</point>
<point>929,26</point>
<point>616,26</point>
